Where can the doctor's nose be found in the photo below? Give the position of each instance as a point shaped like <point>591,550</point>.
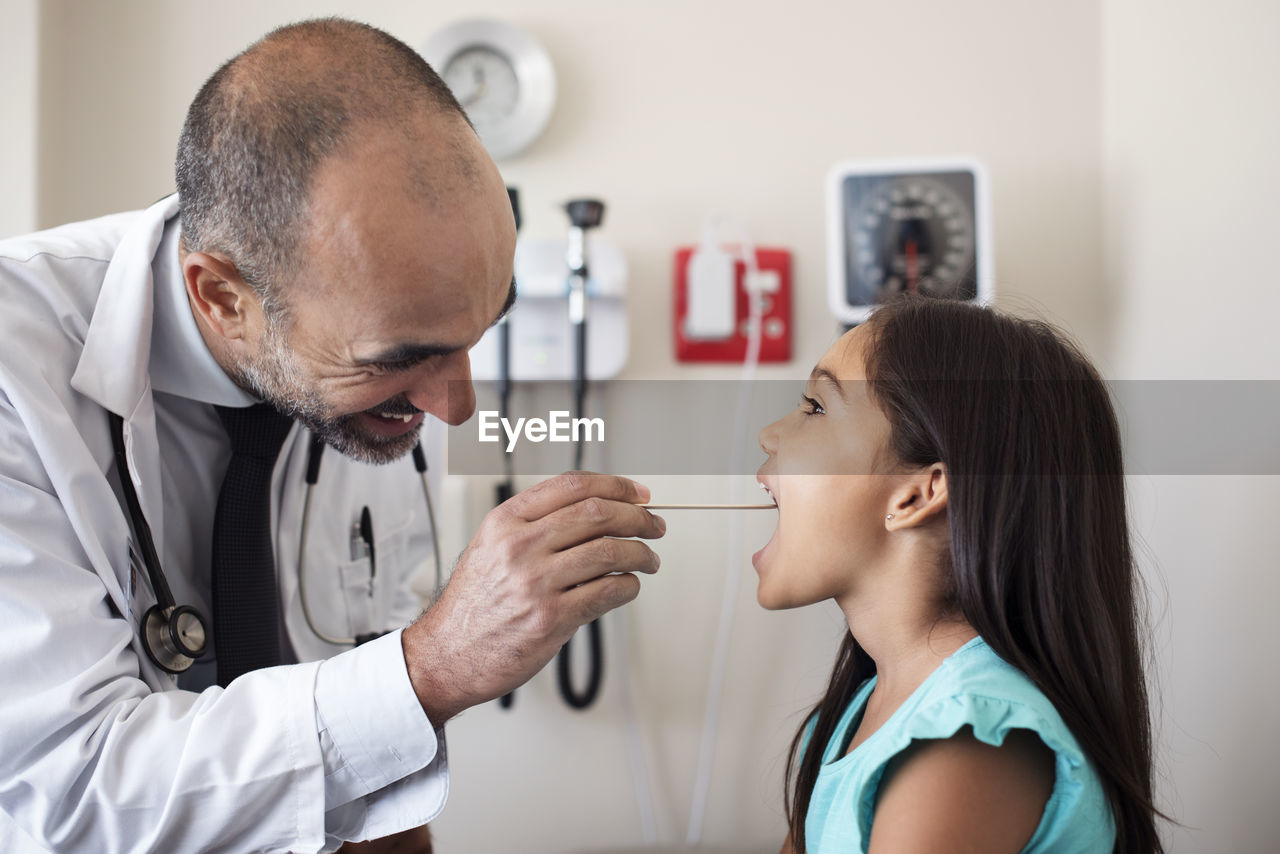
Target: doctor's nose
<point>447,392</point>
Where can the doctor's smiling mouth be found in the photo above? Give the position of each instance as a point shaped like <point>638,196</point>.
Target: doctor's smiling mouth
<point>438,377</point>
<point>377,434</point>
<point>380,434</point>
<point>323,393</point>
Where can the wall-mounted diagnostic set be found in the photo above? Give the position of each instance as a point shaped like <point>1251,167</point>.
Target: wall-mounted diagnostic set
<point>907,226</point>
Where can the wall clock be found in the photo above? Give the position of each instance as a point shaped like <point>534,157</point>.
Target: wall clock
<point>502,77</point>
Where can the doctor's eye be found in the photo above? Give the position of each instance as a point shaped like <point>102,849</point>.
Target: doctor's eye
<point>397,366</point>
<point>811,406</point>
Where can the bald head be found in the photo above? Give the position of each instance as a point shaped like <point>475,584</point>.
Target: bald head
<point>263,124</point>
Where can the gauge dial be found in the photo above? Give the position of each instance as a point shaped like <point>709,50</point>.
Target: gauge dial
<point>909,232</point>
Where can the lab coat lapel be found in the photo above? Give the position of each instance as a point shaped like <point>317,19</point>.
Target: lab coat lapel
<point>114,365</point>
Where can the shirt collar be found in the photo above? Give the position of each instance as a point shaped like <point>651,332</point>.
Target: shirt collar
<point>181,363</point>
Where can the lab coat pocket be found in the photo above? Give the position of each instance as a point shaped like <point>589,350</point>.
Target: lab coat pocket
<point>359,585</point>
<point>369,585</point>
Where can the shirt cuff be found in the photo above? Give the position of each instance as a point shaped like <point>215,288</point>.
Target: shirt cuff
<point>373,730</point>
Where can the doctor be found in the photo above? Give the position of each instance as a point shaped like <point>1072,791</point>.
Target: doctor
<point>338,243</point>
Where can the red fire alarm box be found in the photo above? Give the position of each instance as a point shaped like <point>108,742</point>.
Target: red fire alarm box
<point>711,318</point>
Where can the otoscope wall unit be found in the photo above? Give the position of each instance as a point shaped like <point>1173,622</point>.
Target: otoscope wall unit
<point>541,334</point>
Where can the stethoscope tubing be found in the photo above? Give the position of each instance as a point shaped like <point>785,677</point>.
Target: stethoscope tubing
<point>314,454</point>
<point>173,637</point>
<point>164,639</point>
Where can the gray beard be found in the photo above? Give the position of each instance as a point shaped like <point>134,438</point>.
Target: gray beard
<point>272,375</point>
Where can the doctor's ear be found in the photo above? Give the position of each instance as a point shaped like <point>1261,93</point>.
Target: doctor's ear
<point>922,496</point>
<point>219,295</point>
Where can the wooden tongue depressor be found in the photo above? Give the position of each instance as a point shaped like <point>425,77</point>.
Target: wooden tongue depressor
<point>708,506</point>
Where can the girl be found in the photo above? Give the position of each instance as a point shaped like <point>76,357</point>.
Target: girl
<point>953,480</point>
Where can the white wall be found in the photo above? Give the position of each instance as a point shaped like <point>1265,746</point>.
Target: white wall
<point>18,107</point>
<point>671,111</point>
<point>1190,142</point>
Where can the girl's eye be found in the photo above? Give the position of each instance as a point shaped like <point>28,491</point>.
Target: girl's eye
<point>811,406</point>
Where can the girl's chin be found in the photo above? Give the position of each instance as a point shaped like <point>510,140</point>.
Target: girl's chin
<point>764,561</point>
<point>766,602</point>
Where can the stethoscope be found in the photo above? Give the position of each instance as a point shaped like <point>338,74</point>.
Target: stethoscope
<point>363,532</point>
<point>174,635</point>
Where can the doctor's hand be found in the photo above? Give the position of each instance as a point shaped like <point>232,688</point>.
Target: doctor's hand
<point>542,564</point>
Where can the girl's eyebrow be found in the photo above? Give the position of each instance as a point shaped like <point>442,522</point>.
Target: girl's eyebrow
<point>821,373</point>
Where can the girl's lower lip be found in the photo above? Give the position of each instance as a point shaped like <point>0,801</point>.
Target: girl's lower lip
<point>390,427</point>
<point>758,556</point>
<point>755,558</point>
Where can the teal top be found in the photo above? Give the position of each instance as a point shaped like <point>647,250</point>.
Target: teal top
<point>973,687</point>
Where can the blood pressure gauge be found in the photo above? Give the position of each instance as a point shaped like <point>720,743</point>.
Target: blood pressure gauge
<point>501,76</point>
<point>897,227</point>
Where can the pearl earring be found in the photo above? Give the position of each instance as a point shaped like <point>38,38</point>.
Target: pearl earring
<point>887,518</point>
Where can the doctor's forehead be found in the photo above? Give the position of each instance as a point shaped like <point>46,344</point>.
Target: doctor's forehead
<point>451,225</point>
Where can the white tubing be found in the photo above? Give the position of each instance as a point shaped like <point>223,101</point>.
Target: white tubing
<point>640,773</point>
<point>737,456</point>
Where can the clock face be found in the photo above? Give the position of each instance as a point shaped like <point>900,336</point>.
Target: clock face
<point>501,77</point>
<point>909,233</point>
<point>485,84</point>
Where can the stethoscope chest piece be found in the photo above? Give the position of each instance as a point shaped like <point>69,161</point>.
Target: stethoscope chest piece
<point>174,637</point>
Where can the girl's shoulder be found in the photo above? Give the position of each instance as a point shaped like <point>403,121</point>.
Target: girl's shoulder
<point>977,689</point>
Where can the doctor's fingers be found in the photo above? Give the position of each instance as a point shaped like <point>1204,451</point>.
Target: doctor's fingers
<point>592,518</point>
<point>596,598</point>
<point>590,561</point>
<point>570,488</point>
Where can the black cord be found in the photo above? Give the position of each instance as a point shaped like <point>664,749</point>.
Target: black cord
<point>564,670</point>
<point>141,529</point>
<point>595,648</point>
<point>507,486</point>
<point>580,390</point>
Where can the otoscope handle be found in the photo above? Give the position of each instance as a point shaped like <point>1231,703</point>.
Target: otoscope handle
<point>585,213</point>
<point>580,366</point>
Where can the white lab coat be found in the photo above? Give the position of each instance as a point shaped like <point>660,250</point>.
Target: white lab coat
<point>99,750</point>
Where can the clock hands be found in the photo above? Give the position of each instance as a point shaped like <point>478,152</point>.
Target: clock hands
<point>478,91</point>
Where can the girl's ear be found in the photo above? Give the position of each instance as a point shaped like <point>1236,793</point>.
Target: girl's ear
<point>921,497</point>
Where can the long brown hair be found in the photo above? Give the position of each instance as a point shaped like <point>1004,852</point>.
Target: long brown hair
<point>1040,558</point>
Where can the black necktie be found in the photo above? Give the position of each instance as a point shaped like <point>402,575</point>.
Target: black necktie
<point>246,611</point>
